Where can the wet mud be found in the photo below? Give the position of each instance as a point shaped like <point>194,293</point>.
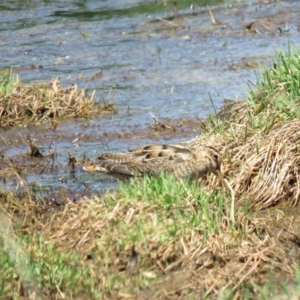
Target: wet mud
<point>29,156</point>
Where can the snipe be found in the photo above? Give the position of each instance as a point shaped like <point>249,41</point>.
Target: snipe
<point>181,161</point>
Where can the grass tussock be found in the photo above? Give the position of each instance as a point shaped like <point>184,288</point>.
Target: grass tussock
<point>259,138</point>
<point>21,104</point>
<point>161,239</point>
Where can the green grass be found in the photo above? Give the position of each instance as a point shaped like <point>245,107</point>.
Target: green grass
<point>185,203</point>
<point>7,82</point>
<point>275,100</point>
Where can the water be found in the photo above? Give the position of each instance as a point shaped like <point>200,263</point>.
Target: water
<point>149,62</point>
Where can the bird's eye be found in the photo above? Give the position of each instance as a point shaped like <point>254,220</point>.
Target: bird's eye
<point>215,157</point>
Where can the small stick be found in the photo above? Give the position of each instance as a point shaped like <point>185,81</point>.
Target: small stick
<point>213,20</point>
<point>45,167</point>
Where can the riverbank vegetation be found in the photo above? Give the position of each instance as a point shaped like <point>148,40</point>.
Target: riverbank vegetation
<point>44,102</point>
<point>160,239</point>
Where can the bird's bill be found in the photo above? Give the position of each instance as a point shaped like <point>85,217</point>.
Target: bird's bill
<point>93,168</point>
<point>90,168</point>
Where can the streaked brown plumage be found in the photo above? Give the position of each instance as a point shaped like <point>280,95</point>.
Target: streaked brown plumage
<point>181,161</point>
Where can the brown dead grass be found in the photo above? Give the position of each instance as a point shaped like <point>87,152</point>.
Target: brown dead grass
<point>261,163</point>
<point>45,101</point>
<point>190,266</point>
<point>269,172</point>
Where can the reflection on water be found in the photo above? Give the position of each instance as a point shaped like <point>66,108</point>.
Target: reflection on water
<point>145,56</point>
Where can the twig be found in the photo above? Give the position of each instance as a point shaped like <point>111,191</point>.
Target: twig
<point>213,20</point>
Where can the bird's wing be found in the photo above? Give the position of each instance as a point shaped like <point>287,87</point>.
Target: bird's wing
<point>153,159</point>
<point>150,159</point>
<point>149,153</point>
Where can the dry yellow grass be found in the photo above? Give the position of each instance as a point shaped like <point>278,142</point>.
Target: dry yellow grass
<point>117,240</point>
<point>40,102</point>
<point>261,157</point>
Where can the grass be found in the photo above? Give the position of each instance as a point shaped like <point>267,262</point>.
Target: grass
<point>135,243</point>
<point>259,137</point>
<point>42,102</point>
<point>158,238</point>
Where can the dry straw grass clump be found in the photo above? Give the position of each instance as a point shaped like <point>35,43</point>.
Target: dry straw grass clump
<point>270,168</point>
<point>21,104</point>
<point>260,139</point>
<point>263,167</point>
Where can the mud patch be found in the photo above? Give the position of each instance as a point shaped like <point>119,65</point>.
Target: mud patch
<point>29,155</point>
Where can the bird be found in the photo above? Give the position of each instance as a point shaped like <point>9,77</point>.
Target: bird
<point>192,161</point>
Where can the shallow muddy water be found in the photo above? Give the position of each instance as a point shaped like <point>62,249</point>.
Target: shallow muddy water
<point>143,56</point>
